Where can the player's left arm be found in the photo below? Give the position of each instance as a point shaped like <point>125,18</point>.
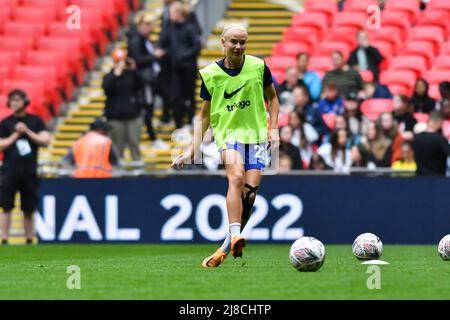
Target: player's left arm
<point>274,109</point>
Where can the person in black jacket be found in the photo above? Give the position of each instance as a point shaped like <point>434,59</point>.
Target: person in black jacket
<point>148,61</point>
<point>181,43</point>
<point>431,149</point>
<point>122,109</point>
<point>365,57</point>
<point>420,99</point>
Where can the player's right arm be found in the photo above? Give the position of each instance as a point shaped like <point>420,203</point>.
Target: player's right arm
<point>200,127</point>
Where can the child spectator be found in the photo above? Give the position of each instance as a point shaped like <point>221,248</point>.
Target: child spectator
<point>331,102</point>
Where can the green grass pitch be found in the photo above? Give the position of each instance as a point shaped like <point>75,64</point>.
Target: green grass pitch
<point>174,272</point>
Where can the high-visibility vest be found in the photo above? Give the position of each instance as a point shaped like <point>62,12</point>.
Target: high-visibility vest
<point>91,154</point>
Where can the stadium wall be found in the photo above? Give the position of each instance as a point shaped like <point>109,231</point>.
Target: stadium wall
<point>193,209</point>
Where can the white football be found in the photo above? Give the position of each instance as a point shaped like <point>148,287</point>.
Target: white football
<point>307,254</point>
<point>444,247</point>
<point>367,246</point>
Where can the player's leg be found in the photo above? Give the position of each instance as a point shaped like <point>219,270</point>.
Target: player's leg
<point>234,167</point>
<point>29,195</point>
<point>253,179</point>
<point>7,197</point>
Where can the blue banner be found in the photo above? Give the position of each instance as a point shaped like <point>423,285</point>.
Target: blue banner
<point>193,209</point>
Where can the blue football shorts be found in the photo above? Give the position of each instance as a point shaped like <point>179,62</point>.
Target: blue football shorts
<point>254,155</point>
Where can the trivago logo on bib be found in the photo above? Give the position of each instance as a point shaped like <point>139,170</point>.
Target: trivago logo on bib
<point>239,105</point>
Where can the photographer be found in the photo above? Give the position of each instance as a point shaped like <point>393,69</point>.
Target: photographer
<point>122,108</point>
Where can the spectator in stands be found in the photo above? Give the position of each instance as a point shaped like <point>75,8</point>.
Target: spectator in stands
<point>336,153</point>
<point>181,42</point>
<point>431,149</point>
<point>406,162</point>
<point>420,100</point>
<point>374,149</point>
<point>21,135</point>
<point>342,122</point>
<point>164,77</point>
<point>444,91</point>
<point>94,153</point>
<point>331,102</point>
<point>302,103</point>
<point>289,149</point>
<point>122,108</point>
<point>284,90</point>
<point>402,113</point>
<point>285,163</point>
<point>317,163</point>
<point>304,136</point>
<point>372,90</point>
<point>387,125</point>
<point>357,122</point>
<point>310,78</point>
<point>346,79</point>
<point>147,57</point>
<point>365,56</point>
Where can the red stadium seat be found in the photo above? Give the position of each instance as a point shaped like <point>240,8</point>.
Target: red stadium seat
<point>327,48</point>
<point>329,119</point>
<point>25,29</point>
<point>372,108</point>
<point>58,29</point>
<point>290,48</point>
<point>417,64</point>
<point>400,80</point>
<point>4,110</point>
<point>355,20</point>
<point>366,75</point>
<point>11,58</point>
<point>423,48</point>
<point>435,18</point>
<point>16,44</point>
<point>385,48</point>
<point>280,62</point>
<point>72,48</point>
<point>9,4</point>
<point>329,7</point>
<point>5,73</point>
<point>58,5</point>
<point>94,19</point>
<point>5,16</point>
<point>320,64</point>
<point>398,19</point>
<point>35,14</point>
<point>446,129</point>
<point>359,5</point>
<point>445,50</point>
<point>315,20</point>
<point>343,34</point>
<point>300,34</point>
<point>442,63</point>
<point>94,12</point>
<point>421,117</point>
<point>411,7</point>
<point>53,59</point>
<point>437,76</point>
<point>279,75</point>
<point>433,91</point>
<point>428,33</point>
<point>38,73</point>
<point>389,34</point>
<point>283,119</point>
<point>439,5</point>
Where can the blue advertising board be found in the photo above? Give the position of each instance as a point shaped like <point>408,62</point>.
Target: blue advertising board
<point>193,209</point>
